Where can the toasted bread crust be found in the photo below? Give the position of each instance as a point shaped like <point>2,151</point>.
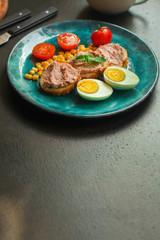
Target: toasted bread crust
<point>90,75</point>
<point>125,60</point>
<point>61,90</point>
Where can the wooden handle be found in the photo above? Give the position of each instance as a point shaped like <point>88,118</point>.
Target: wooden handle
<point>14,18</point>
<point>3,8</point>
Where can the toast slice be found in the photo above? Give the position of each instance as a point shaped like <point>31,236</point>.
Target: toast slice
<point>59,78</point>
<point>114,54</point>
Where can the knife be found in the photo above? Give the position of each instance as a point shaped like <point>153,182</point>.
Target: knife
<point>51,11</point>
<point>16,17</point>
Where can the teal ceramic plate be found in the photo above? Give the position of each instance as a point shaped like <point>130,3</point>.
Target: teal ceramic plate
<point>142,61</point>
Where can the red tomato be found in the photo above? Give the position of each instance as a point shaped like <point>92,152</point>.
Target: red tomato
<point>68,41</point>
<point>101,36</point>
<point>44,51</point>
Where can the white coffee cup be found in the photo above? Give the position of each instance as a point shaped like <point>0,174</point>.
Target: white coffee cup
<point>113,6</point>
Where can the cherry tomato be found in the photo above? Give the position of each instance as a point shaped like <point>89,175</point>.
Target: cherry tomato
<point>68,41</point>
<point>44,51</point>
<point>101,36</point>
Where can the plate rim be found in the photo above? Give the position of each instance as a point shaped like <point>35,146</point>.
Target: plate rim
<point>85,115</point>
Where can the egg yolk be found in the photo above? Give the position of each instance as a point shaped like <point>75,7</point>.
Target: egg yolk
<point>115,74</point>
<point>88,86</point>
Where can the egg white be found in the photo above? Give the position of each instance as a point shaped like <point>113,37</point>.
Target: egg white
<point>103,92</point>
<point>131,80</point>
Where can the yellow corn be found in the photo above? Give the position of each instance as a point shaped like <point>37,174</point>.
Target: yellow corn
<point>40,68</point>
<point>54,57</point>
<point>73,51</point>
<point>28,76</point>
<point>60,58</point>
<point>87,49</point>
<point>61,53</point>
<point>45,64</point>
<point>50,60</point>
<point>92,47</point>
<point>32,72</point>
<point>68,55</point>
<point>40,73</point>
<point>38,64</point>
<point>81,48</point>
<point>35,77</point>
<point>35,69</point>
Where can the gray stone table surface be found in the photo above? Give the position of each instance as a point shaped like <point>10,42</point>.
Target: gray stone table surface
<point>69,179</point>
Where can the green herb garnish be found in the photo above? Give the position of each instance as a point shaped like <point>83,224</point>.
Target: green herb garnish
<point>90,58</point>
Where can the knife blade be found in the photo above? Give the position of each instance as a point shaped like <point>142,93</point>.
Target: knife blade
<point>44,15</point>
<point>16,17</point>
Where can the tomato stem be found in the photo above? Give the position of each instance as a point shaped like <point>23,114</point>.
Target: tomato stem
<point>99,27</point>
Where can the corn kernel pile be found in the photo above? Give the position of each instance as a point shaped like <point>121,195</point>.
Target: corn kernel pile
<point>62,57</point>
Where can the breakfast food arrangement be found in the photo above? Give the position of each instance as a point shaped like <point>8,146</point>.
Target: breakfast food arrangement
<point>94,70</point>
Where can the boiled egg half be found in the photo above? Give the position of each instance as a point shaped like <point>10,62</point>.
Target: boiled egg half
<point>120,78</point>
<point>94,89</point>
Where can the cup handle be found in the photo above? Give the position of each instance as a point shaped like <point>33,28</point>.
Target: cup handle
<point>139,1</point>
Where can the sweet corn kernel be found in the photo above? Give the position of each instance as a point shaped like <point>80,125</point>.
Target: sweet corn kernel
<point>92,47</point>
<point>35,77</point>
<point>40,73</point>
<point>63,60</point>
<point>54,57</point>
<point>35,69</point>
<point>28,76</point>
<point>50,60</point>
<point>87,49</point>
<point>60,56</point>
<point>40,68</point>
<point>61,53</point>
<point>60,59</point>
<point>68,55</point>
<point>45,64</point>
<point>38,64</point>
<point>32,72</point>
<point>73,51</point>
<point>81,48</point>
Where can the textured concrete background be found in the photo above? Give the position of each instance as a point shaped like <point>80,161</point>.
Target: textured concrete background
<point>67,179</point>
